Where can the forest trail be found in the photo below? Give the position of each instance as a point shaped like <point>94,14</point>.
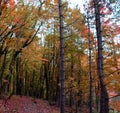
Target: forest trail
<point>26,104</point>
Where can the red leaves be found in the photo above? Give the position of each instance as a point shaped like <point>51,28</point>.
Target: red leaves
<point>28,105</point>
<point>12,3</point>
<point>105,11</point>
<point>107,22</point>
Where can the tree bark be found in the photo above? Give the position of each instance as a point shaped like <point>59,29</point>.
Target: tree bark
<point>104,99</point>
<point>90,66</point>
<point>71,90</point>
<point>3,67</point>
<point>62,70</point>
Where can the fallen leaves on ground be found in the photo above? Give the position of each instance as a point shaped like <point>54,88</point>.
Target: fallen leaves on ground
<point>24,104</point>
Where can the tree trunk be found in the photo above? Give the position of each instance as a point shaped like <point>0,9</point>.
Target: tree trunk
<point>71,90</point>
<point>97,95</point>
<point>18,88</point>
<point>46,69</point>
<point>3,68</point>
<point>104,99</point>
<point>90,66</point>
<point>62,70</point>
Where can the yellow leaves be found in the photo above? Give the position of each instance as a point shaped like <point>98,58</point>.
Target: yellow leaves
<point>33,55</point>
<point>84,63</point>
<point>71,84</point>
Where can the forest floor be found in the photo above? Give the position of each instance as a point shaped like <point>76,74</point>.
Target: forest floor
<point>25,104</point>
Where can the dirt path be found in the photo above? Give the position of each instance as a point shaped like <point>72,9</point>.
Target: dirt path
<point>25,104</point>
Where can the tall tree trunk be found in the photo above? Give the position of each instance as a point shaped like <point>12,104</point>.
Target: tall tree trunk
<point>26,85</point>
<point>41,81</point>
<point>47,80</point>
<point>90,66</point>
<point>3,68</point>
<point>71,89</point>
<point>97,96</point>
<point>62,70</point>
<point>32,84</point>
<point>18,88</point>
<point>104,99</point>
<point>3,84</point>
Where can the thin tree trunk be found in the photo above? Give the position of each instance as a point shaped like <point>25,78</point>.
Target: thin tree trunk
<point>3,67</point>
<point>104,99</point>
<point>18,89</point>
<point>62,70</point>
<point>32,84</point>
<point>47,80</point>
<point>71,90</point>
<point>41,81</point>
<point>97,95</point>
<point>90,66</point>
<point>26,85</point>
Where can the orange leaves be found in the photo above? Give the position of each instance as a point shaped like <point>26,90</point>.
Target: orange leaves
<point>110,29</point>
<point>7,3</point>
<point>54,1</point>
<point>45,60</point>
<point>115,103</point>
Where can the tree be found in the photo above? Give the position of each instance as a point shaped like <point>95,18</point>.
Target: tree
<point>18,31</point>
<point>62,69</point>
<point>90,66</point>
<point>104,99</point>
